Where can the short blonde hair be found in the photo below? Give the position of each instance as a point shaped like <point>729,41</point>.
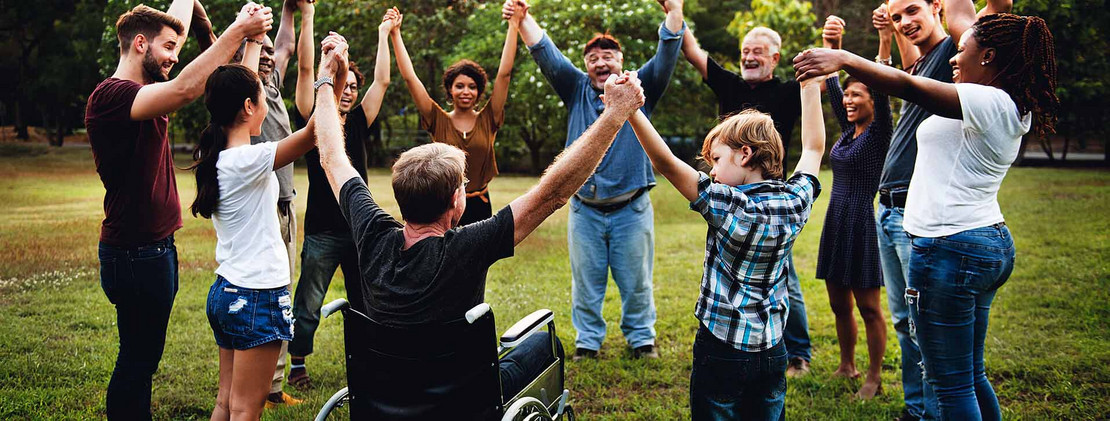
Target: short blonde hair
<point>755,130</point>
<point>425,179</point>
<point>767,34</point>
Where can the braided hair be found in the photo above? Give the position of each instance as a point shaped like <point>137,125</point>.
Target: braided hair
<point>1029,75</point>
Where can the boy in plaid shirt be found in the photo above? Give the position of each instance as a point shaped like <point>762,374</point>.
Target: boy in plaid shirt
<point>739,358</point>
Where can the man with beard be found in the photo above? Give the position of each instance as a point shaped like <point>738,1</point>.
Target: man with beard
<point>127,118</point>
<point>757,87</point>
<point>925,50</point>
<point>327,237</point>
<point>611,224</point>
<point>272,63</point>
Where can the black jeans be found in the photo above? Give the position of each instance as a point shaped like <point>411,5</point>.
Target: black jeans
<point>729,384</point>
<point>141,281</point>
<point>523,364</point>
<point>478,208</point>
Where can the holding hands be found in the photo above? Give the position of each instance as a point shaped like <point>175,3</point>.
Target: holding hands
<point>669,5</point>
<point>833,32</point>
<point>623,94</point>
<point>817,62</point>
<point>514,11</point>
<point>254,20</point>
<point>391,21</point>
<point>880,18</point>
<point>335,62</point>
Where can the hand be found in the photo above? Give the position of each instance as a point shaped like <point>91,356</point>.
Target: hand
<point>254,19</point>
<point>817,62</point>
<point>514,11</point>
<point>833,33</point>
<point>623,94</point>
<point>396,17</point>
<point>669,5</point>
<point>880,18</point>
<point>333,49</point>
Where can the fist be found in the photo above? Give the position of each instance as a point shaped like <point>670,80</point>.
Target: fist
<point>833,32</point>
<point>623,93</point>
<point>880,18</point>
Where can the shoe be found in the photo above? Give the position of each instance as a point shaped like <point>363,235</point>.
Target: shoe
<point>582,353</point>
<point>797,367</point>
<point>907,416</point>
<point>646,351</point>
<point>298,378</point>
<point>278,399</point>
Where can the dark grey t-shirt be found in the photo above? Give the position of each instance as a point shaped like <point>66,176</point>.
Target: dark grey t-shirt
<point>436,280</point>
<point>900,158</point>
<point>275,128</point>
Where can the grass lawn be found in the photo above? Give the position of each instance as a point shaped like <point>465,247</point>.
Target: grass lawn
<point>1048,351</point>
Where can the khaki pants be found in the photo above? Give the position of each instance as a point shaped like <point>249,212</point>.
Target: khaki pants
<point>287,218</point>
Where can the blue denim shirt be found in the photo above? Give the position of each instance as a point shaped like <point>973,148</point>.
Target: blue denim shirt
<point>625,167</point>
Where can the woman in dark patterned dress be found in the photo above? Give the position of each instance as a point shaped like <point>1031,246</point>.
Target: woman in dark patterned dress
<point>848,260</point>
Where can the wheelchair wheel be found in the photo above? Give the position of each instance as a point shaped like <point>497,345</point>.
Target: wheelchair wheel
<point>527,409</point>
<point>335,408</point>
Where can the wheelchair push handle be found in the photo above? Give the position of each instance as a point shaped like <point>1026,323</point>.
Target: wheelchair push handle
<point>333,307</point>
<point>526,327</point>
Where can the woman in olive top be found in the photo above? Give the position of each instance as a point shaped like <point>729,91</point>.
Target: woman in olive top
<point>466,126</point>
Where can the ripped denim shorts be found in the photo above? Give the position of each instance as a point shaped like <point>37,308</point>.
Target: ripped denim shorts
<point>243,318</point>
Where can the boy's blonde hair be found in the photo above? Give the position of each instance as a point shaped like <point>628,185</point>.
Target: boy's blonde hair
<point>755,130</point>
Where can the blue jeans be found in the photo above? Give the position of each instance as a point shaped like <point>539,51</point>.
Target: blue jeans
<point>622,241</point>
<point>321,254</point>
<point>141,281</point>
<point>952,281</point>
<point>729,384</point>
<point>894,253</point>
<point>796,334</point>
<point>525,362</point>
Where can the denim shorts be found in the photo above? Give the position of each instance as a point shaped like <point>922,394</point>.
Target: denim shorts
<point>243,318</point>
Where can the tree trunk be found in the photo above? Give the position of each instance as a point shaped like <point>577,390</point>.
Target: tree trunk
<point>1067,144</point>
<point>59,131</point>
<point>20,122</point>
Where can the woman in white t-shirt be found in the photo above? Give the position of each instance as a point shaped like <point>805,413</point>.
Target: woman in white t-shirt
<point>249,306</point>
<point>1005,78</point>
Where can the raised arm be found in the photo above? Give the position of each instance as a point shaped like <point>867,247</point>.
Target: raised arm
<point>572,167</point>
<point>329,131</point>
<point>424,102</point>
<point>183,11</point>
<point>936,97</point>
<point>960,15</point>
<point>252,53</point>
<point>813,128</point>
<point>285,43</point>
<point>517,10</point>
<point>304,96</point>
<point>372,99</point>
<point>157,99</point>
<point>202,27</point>
<point>880,19</point>
<point>678,172</point>
<point>656,73</point>
<point>694,54</point>
<point>500,91</point>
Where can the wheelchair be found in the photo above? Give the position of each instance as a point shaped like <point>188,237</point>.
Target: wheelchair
<point>442,371</point>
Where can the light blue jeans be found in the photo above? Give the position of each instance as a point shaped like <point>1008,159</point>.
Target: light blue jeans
<point>796,334</point>
<point>622,241</point>
<point>894,253</point>
<point>952,282</point>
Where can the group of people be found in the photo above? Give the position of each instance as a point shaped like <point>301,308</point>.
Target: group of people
<point>937,241</point>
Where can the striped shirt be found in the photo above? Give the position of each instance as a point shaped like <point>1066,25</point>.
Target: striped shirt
<point>751,229</point>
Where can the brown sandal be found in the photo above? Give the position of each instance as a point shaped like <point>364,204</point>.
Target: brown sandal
<point>298,378</point>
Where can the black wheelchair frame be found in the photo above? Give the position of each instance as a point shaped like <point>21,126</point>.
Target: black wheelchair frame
<point>447,370</point>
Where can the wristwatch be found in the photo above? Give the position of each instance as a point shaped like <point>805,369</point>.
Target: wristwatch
<point>887,61</point>
<point>324,80</point>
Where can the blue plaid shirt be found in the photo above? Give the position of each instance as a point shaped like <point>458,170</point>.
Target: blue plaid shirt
<point>751,229</point>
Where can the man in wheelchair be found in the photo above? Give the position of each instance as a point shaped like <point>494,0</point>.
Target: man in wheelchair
<point>429,272</point>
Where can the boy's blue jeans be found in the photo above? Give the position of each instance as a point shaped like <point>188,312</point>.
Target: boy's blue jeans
<point>141,281</point>
<point>952,281</point>
<point>622,241</point>
<point>729,384</point>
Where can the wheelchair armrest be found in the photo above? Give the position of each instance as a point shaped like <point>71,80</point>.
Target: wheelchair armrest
<point>334,306</point>
<point>526,327</point>
<point>476,312</point>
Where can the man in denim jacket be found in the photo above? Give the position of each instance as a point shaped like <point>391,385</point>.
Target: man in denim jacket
<point>611,224</point>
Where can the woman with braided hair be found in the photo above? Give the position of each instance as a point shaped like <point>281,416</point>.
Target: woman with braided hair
<point>1005,81</point>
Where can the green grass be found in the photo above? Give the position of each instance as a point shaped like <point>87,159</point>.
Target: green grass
<point>1048,351</point>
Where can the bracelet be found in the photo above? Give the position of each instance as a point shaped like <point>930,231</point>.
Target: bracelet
<point>255,41</point>
<point>324,80</point>
<point>887,61</point>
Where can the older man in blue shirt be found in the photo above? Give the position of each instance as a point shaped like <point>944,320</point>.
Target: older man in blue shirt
<point>611,222</point>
